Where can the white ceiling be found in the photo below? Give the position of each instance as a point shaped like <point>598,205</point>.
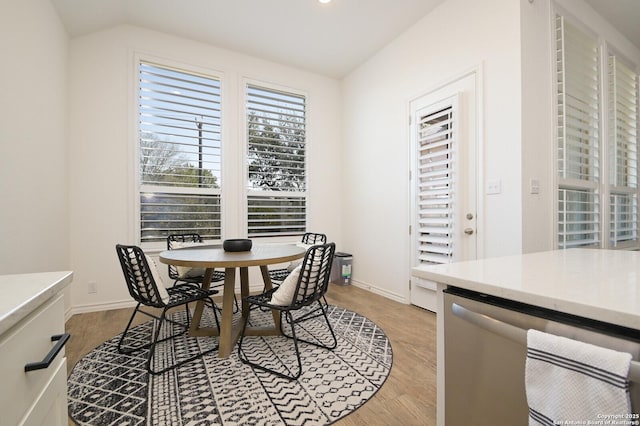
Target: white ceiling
<point>623,14</point>
<point>330,39</point>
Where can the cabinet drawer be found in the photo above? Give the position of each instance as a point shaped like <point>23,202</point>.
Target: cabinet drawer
<point>51,407</point>
<point>29,341</point>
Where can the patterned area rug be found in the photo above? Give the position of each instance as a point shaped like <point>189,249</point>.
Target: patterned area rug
<point>107,388</point>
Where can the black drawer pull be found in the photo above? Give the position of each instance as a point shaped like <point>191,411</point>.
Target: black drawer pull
<point>46,362</point>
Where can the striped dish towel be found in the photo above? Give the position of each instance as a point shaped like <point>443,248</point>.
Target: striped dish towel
<point>570,381</point>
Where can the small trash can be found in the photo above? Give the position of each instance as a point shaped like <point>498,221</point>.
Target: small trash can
<point>341,268</point>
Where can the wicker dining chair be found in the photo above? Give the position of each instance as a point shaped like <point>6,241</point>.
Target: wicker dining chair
<point>298,299</point>
<point>146,287</point>
<point>309,238</point>
<point>190,275</point>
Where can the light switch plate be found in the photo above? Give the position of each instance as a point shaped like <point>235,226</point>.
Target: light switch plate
<point>534,186</point>
<point>494,186</point>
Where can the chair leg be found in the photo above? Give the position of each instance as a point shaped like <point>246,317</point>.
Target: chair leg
<point>295,344</point>
<point>126,330</point>
<point>152,349</point>
<point>155,341</point>
<point>236,306</point>
<point>241,354</point>
<point>324,299</point>
<point>333,335</point>
<point>309,316</point>
<point>188,313</point>
<point>214,308</point>
<point>243,357</point>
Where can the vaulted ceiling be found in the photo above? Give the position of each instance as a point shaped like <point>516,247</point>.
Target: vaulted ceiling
<point>623,14</point>
<point>330,39</point>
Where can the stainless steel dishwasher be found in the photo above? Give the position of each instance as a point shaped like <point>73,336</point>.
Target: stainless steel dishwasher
<point>485,354</point>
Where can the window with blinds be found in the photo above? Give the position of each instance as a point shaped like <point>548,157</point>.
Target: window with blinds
<point>276,162</point>
<point>623,152</point>
<point>578,140</point>
<point>591,206</point>
<point>179,153</point>
<point>435,164</point>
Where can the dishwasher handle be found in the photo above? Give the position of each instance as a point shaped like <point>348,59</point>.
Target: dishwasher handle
<point>514,333</point>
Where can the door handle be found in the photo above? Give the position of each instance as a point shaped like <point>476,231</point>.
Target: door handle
<point>468,231</point>
<point>46,362</point>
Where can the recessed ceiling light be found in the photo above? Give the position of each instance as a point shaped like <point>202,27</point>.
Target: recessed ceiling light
<point>324,1</point>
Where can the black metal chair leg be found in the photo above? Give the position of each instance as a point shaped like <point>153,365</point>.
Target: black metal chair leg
<point>295,344</point>
<point>152,349</point>
<point>136,311</point>
<point>124,334</point>
<point>188,313</point>
<point>310,315</point>
<point>215,313</point>
<point>243,357</point>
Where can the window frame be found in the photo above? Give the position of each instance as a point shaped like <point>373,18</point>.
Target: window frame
<point>247,191</point>
<point>612,188</point>
<point>138,187</point>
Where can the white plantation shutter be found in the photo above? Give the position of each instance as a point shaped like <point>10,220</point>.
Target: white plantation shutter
<point>435,191</point>
<point>578,80</point>
<point>578,218</point>
<point>590,203</point>
<point>623,226</point>
<point>623,152</point>
<point>179,153</point>
<point>276,162</point>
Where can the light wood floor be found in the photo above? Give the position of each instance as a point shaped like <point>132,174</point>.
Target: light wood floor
<point>408,397</point>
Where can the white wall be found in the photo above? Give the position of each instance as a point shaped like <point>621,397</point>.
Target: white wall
<point>457,36</point>
<point>537,127</point>
<point>102,116</point>
<point>34,229</point>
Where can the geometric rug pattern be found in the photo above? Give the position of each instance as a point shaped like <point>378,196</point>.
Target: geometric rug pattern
<point>109,388</point>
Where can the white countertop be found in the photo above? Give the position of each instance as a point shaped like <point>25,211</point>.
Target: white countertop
<point>598,284</point>
<point>22,293</point>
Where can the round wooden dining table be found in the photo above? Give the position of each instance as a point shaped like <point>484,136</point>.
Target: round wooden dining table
<point>211,257</point>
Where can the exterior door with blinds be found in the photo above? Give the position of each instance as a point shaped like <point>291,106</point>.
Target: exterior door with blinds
<point>443,179</point>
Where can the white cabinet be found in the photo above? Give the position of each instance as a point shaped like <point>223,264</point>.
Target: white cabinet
<point>37,397</point>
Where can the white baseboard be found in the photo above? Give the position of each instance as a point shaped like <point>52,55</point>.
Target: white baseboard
<point>97,307</point>
<point>382,292</point>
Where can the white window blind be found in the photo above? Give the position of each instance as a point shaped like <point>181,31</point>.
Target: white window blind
<point>435,187</point>
<point>578,140</point>
<point>623,152</point>
<point>276,162</point>
<point>623,219</point>
<point>578,218</point>
<point>179,153</point>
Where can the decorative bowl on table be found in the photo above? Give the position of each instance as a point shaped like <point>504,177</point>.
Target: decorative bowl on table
<point>237,244</point>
